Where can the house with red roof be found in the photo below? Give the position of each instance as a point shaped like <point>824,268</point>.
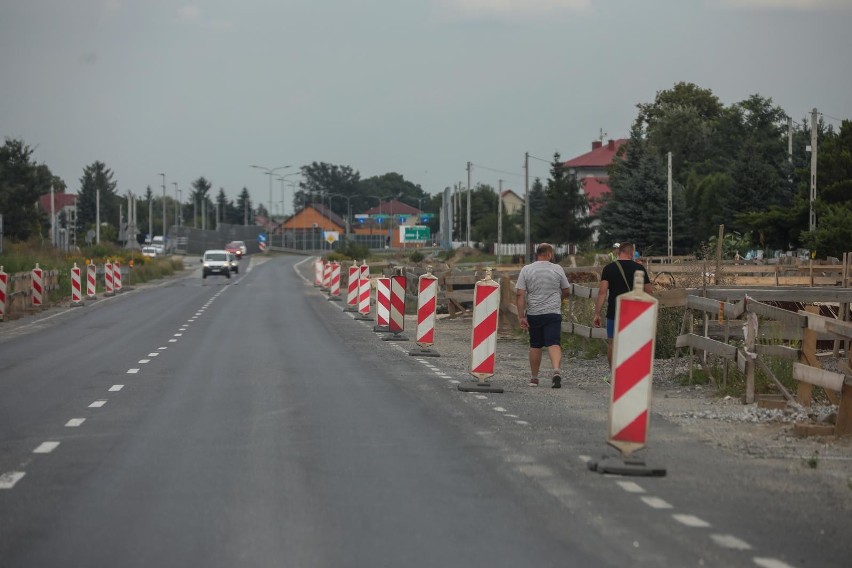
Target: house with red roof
<point>591,169</point>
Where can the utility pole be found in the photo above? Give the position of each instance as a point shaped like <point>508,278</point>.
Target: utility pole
<point>98,215</point>
<point>670,235</point>
<point>164,209</point>
<point>813,169</point>
<point>177,205</point>
<point>526,207</point>
<point>468,204</point>
<point>500,222</point>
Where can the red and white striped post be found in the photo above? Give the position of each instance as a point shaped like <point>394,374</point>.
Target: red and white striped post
<point>76,286</point>
<point>326,276</point>
<point>318,270</point>
<point>427,293</point>
<point>91,281</point>
<point>483,343</point>
<point>334,294</point>
<point>108,274</point>
<point>363,298</point>
<point>396,320</point>
<point>4,282</point>
<point>37,286</point>
<point>633,369</point>
<point>116,275</point>
<point>352,288</point>
<point>383,285</point>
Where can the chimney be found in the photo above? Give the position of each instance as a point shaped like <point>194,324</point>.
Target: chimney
<point>596,144</point>
<point>610,145</point>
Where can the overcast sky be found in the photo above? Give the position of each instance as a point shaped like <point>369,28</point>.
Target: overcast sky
<point>417,87</point>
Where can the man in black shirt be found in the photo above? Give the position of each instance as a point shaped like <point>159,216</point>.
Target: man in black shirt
<point>617,279</point>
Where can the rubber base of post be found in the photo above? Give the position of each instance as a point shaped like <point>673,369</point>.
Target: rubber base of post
<point>334,299</point>
<point>381,329</point>
<point>417,352</point>
<point>626,466</point>
<point>479,387</point>
<point>394,337</point>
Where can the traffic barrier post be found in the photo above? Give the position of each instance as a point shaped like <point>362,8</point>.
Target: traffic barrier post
<point>382,305</point>
<point>630,393</point>
<point>334,294</point>
<point>91,280</point>
<point>76,286</point>
<point>352,288</point>
<point>108,275</point>
<point>37,286</point>
<point>483,343</point>
<point>4,282</point>
<point>396,316</point>
<point>326,277</point>
<point>318,268</point>
<point>427,293</point>
<point>116,276</point>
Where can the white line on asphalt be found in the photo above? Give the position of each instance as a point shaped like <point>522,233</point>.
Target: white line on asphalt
<point>115,388</point>
<point>691,521</point>
<point>656,503</point>
<point>499,409</point>
<point>480,396</point>
<point>143,361</point>
<point>46,447</point>
<point>770,563</point>
<point>522,422</point>
<point>74,422</point>
<point>132,371</point>
<point>97,404</point>
<point>190,319</point>
<point>9,479</point>
<point>172,340</point>
<point>178,335</point>
<point>730,541</point>
<point>511,416</point>
<point>162,348</point>
<point>585,459</point>
<point>455,382</point>
<point>153,354</point>
<point>630,486</point>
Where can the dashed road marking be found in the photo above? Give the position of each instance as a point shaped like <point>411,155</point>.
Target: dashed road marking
<point>97,404</point>
<point>585,459</point>
<point>480,396</point>
<point>162,348</point>
<point>132,371</point>
<point>455,382</point>
<point>522,422</point>
<point>691,521</point>
<point>730,541</point>
<point>75,422</point>
<point>46,447</point>
<point>115,388</point>
<point>770,563</point>
<point>499,409</point>
<point>144,361</point>
<point>630,486</point>
<point>10,478</point>
<point>657,503</point>
<point>178,335</point>
<point>153,354</point>
<point>172,340</point>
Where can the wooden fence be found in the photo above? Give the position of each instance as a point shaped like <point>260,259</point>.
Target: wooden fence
<point>19,292</point>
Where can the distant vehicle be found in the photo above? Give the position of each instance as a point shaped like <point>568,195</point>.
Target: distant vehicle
<point>235,262</point>
<point>216,262</point>
<point>150,251</point>
<point>159,243</point>
<point>236,247</point>
<point>242,246</point>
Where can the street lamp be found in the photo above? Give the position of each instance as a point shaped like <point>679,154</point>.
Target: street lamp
<point>281,179</point>
<point>348,199</point>
<point>177,205</point>
<point>269,172</point>
<point>164,209</point>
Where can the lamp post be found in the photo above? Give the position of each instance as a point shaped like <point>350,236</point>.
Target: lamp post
<point>281,179</point>
<point>269,172</point>
<point>164,209</point>
<point>348,199</point>
<point>177,205</point>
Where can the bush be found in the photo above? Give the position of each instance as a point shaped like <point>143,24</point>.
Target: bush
<point>416,257</point>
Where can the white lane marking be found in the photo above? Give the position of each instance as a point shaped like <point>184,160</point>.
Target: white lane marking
<point>74,422</point>
<point>132,371</point>
<point>153,354</point>
<point>178,335</point>
<point>46,447</point>
<point>585,459</point>
<point>480,396</point>
<point>730,541</point>
<point>115,388</point>
<point>144,361</point>
<point>10,478</point>
<point>172,340</point>
<point>691,521</point>
<point>499,409</point>
<point>511,416</point>
<point>97,404</point>
<point>630,486</point>
<point>770,563</point>
<point>443,375</point>
<point>522,422</point>
<point>190,319</point>
<point>162,348</point>
<point>657,503</point>
<point>455,382</point>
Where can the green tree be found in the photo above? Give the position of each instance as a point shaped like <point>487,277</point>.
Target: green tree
<point>22,181</point>
<point>203,206</point>
<point>97,180</point>
<point>565,217</point>
<point>320,179</point>
<point>243,210</point>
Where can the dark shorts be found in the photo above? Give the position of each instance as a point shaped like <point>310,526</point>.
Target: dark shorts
<point>610,328</point>
<point>545,330</point>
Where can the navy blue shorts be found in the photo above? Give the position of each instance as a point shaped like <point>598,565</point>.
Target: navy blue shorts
<point>545,330</point>
<point>610,328</point>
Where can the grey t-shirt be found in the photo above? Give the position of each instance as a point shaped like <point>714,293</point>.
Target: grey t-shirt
<point>543,281</point>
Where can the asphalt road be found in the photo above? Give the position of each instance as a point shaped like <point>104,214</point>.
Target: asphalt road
<point>250,422</point>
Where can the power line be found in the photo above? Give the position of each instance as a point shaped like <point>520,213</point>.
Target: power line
<point>832,117</point>
<point>498,171</point>
<point>539,159</point>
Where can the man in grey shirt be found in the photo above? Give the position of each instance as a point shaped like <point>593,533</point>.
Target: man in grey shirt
<point>541,288</point>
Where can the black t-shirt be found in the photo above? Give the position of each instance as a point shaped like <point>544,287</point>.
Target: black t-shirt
<point>617,283</point>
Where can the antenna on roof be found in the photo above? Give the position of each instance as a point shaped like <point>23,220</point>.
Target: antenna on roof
<point>603,135</point>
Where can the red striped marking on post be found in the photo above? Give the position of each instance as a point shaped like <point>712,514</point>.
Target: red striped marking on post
<point>365,270</point>
<point>352,286</point>
<point>326,276</point>
<point>364,296</point>
<point>486,303</point>
<point>335,279</point>
<point>633,368</point>
<point>318,269</point>
<point>108,288</point>
<point>116,275</point>
<point>383,285</point>
<point>91,280</point>
<point>76,286</point>
<point>427,294</point>
<point>4,282</point>
<point>37,285</point>
<point>396,323</point>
